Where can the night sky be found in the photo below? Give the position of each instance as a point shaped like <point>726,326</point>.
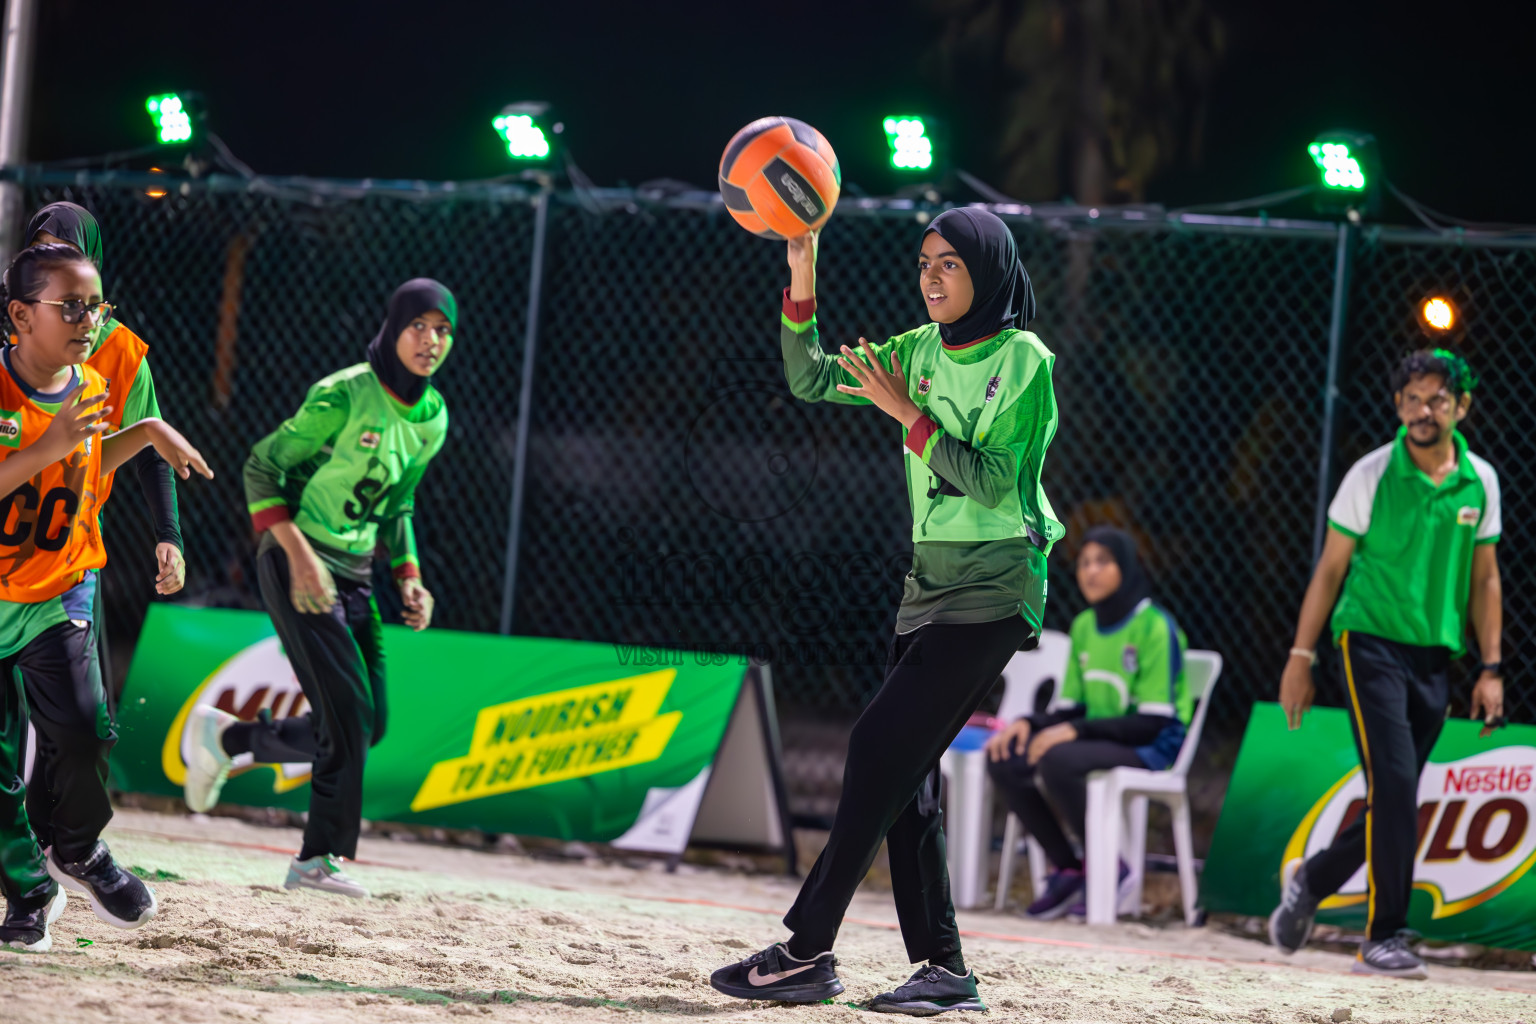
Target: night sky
<point>387,89</point>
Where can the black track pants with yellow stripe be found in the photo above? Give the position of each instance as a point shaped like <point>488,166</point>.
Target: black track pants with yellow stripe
<point>1396,695</point>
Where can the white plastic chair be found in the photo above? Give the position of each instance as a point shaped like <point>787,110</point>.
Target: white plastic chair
<point>968,801</point>
<point>1117,813</point>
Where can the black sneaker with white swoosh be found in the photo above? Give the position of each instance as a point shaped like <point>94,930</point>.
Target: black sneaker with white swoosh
<point>774,974</point>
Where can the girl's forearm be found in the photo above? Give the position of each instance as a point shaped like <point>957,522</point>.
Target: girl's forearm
<point>291,539</point>
<point>118,448</point>
<point>21,467</point>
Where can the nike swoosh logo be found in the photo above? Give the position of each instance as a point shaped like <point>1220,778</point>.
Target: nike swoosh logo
<point>758,979</point>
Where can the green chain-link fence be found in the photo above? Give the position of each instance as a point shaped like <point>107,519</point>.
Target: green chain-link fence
<point>675,493</point>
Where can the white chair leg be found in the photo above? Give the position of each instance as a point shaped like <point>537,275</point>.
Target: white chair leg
<point>1135,854</point>
<point>1038,868</point>
<point>968,829</point>
<point>1184,849</point>
<point>1005,863</point>
<point>1102,842</point>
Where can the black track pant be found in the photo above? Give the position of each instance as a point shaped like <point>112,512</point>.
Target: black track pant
<point>339,661</point>
<point>1052,796</point>
<point>61,677</point>
<point>1398,696</point>
<point>937,677</point>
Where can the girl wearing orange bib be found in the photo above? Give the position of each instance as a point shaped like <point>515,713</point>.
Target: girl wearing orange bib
<point>55,453</point>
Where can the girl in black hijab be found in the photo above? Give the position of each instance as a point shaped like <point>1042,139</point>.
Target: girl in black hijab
<point>972,393</point>
<point>326,489</point>
<point>1123,702</point>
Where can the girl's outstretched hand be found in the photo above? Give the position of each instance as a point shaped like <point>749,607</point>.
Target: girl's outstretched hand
<point>177,450</point>
<point>887,390</point>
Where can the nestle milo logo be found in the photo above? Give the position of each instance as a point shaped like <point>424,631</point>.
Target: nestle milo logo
<point>258,678</point>
<point>10,428</point>
<point>1474,828</point>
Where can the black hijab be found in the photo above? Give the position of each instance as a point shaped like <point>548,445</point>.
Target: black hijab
<point>70,223</point>
<point>1134,585</point>
<point>417,296</point>
<point>1003,294</point>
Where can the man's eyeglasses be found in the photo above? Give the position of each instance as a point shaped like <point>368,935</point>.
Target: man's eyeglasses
<point>72,311</point>
<point>1436,403</point>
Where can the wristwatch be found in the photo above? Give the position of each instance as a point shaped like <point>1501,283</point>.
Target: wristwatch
<point>1492,667</point>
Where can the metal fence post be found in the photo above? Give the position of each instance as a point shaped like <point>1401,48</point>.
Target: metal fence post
<point>1341,269</point>
<point>15,106</point>
<point>525,404</point>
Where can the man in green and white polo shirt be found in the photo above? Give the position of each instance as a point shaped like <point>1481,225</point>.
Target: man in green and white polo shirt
<point>1411,539</point>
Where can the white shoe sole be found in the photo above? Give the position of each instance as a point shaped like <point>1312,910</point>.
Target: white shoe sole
<point>75,885</point>
<point>295,882</point>
<point>1419,973</point>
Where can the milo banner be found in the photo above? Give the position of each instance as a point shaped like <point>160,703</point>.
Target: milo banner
<point>536,736</point>
<point>1292,792</point>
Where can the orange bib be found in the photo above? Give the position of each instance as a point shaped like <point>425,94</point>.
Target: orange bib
<point>118,360</point>
<point>48,531</point>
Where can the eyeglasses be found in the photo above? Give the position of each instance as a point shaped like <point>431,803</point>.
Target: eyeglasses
<point>72,311</point>
<point>1437,403</point>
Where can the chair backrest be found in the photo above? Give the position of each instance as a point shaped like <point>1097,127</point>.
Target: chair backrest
<point>1027,670</point>
<point>1201,670</point>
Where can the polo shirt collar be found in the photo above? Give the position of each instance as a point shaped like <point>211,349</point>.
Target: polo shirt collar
<point>1403,463</point>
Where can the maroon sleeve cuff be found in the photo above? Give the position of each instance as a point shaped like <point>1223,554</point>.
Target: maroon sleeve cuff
<point>799,312</point>
<point>917,437</point>
<point>270,517</point>
<point>407,571</point>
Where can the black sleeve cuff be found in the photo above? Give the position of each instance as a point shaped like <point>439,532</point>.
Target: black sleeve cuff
<point>158,482</point>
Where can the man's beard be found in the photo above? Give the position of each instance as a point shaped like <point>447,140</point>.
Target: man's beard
<point>1432,441</point>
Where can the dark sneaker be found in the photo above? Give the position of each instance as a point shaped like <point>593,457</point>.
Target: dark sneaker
<point>1390,957</point>
<point>1061,889</point>
<point>1290,926</point>
<point>774,974</point>
<point>119,897</point>
<point>1079,907</point>
<point>28,929</point>
<point>930,991</point>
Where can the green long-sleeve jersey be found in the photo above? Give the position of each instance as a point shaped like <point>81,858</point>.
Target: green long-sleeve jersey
<point>345,467</point>
<point>989,413</point>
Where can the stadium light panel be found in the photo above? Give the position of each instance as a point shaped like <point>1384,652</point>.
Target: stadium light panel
<point>519,127</point>
<point>1338,167</point>
<point>910,145</point>
<point>1350,171</point>
<point>172,119</point>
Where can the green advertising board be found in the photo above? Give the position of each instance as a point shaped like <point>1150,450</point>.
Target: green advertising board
<point>527,735</point>
<point>1292,792</point>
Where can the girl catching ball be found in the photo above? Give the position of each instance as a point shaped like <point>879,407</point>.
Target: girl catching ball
<point>972,392</point>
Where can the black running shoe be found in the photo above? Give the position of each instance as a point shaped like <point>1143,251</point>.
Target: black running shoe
<point>774,974</point>
<point>1391,957</point>
<point>1290,926</point>
<point>930,991</point>
<point>118,897</point>
<point>28,929</point>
